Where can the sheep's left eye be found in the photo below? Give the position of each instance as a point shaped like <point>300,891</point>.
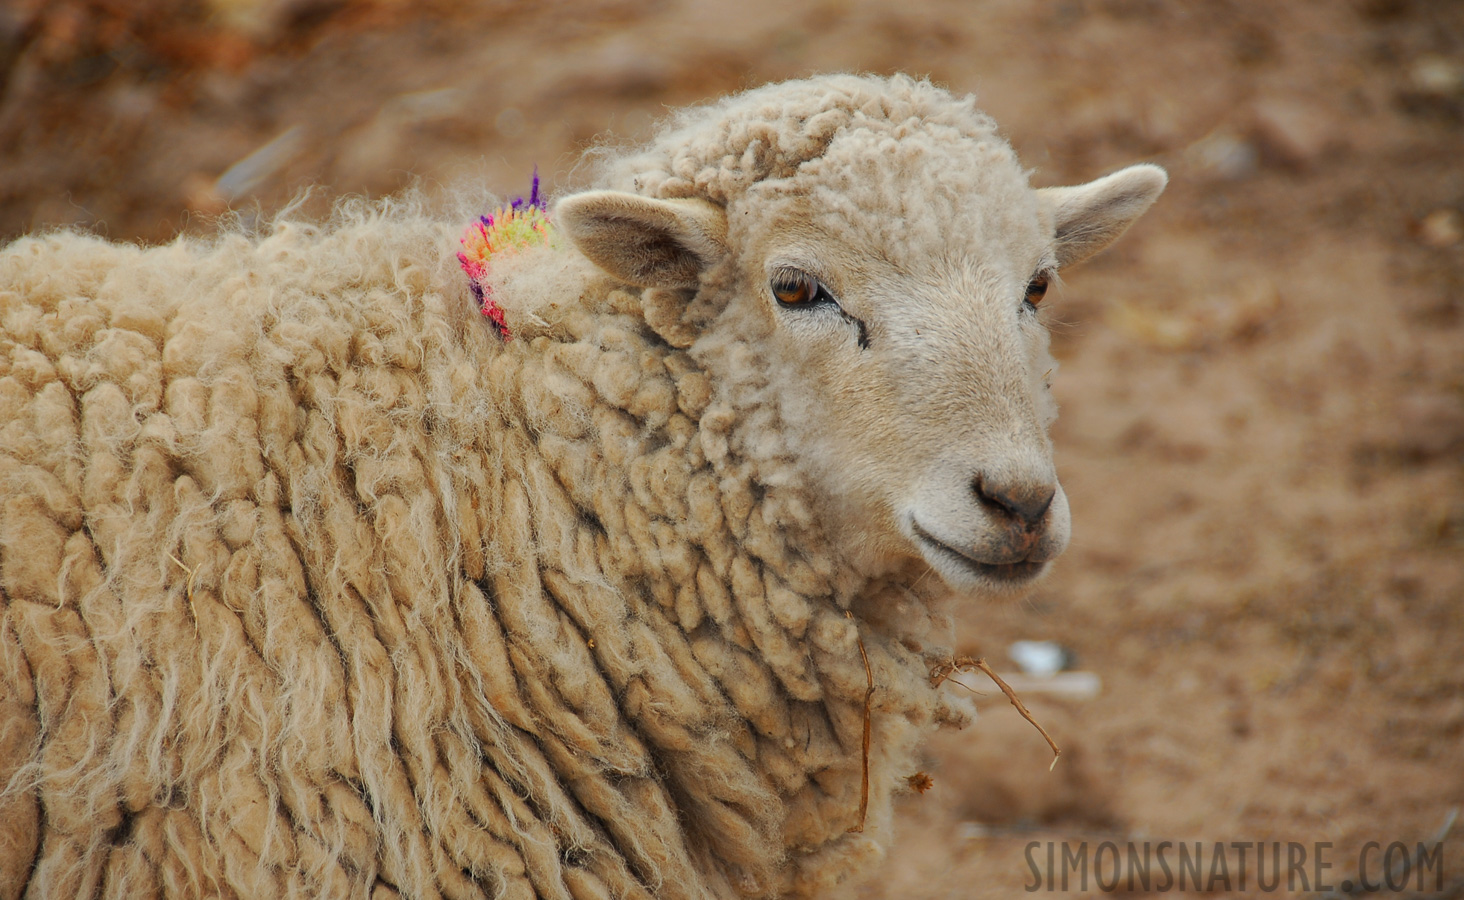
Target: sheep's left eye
<point>1036,290</point>
<point>796,289</point>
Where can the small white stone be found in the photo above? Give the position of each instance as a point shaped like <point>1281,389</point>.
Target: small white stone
<point>1038,657</point>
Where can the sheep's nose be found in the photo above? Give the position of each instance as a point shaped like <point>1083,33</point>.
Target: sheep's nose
<point>1026,504</point>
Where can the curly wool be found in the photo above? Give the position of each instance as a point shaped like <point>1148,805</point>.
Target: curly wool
<point>720,150</point>
<point>312,586</point>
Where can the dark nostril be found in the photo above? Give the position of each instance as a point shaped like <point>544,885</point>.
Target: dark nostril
<point>1026,504</point>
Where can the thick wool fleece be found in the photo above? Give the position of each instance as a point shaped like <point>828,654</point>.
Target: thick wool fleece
<point>312,586</point>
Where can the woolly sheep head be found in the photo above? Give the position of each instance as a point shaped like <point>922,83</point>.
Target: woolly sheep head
<point>878,245</point>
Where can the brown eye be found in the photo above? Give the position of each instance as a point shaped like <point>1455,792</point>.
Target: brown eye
<point>1036,290</point>
<point>795,289</point>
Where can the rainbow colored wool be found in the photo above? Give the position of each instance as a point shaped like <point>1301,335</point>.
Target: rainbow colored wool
<point>523,223</point>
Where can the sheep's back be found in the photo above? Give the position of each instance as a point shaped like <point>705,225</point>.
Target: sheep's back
<point>222,557</point>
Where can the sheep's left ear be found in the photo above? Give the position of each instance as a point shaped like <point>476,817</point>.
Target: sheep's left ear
<point>1089,217</point>
<point>642,241</point>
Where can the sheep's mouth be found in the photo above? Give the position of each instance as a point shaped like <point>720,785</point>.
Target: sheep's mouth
<point>1005,573</point>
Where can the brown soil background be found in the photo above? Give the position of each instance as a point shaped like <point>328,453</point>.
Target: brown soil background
<point>1262,385</point>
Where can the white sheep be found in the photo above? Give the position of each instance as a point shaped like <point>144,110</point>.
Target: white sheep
<point>314,585</point>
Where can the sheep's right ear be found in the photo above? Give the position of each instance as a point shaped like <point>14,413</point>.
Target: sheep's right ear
<point>642,241</point>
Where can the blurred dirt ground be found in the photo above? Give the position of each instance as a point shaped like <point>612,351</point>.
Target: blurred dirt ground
<point>1262,385</point>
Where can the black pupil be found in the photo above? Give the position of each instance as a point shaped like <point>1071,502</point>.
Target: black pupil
<point>1036,290</point>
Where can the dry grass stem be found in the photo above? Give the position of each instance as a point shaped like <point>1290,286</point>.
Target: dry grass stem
<point>966,663</point>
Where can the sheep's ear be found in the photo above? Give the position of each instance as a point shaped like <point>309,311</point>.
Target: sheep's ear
<point>1089,217</point>
<point>642,241</point>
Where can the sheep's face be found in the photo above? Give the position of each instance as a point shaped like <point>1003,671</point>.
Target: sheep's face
<point>893,301</point>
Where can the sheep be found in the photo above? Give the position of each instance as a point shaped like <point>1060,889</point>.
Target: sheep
<point>316,583</point>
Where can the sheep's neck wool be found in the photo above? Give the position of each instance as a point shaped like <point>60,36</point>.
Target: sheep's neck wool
<point>677,508</point>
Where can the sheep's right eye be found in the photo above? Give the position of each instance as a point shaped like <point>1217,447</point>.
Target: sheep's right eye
<point>796,289</point>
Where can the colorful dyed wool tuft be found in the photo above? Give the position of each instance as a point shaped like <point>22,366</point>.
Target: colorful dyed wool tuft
<point>522,223</point>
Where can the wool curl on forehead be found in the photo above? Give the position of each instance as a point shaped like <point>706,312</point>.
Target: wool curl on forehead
<point>719,150</point>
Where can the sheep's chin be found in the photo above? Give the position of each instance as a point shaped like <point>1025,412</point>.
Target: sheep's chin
<point>969,575</point>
